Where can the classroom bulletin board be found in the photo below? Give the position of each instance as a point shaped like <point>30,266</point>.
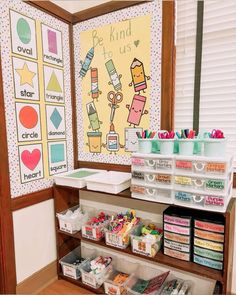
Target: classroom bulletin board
<point>37,96</point>
<point>118,81</point>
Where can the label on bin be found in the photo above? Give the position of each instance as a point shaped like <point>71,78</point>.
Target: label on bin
<point>182,196</point>
<point>138,189</point>
<point>89,279</point>
<point>215,201</point>
<point>114,240</point>
<point>209,245</point>
<point>208,253</point>
<point>89,233</point>
<point>177,229</point>
<point>163,164</point>
<point>177,220</point>
<point>215,184</point>
<point>142,247</point>
<point>208,262</point>
<point>207,235</point>
<point>111,289</point>
<point>137,161</point>
<point>183,180</point>
<point>176,237</point>
<point>65,226</point>
<point>209,226</point>
<point>215,167</point>
<point>177,254</point>
<point>69,271</point>
<point>176,246</point>
<point>163,178</point>
<point>183,165</point>
<point>138,175</point>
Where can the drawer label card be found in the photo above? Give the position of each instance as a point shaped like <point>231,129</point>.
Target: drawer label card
<point>183,180</point>
<point>163,164</point>
<point>184,164</point>
<point>89,279</point>
<point>219,228</point>
<point>163,178</point>
<point>137,161</point>
<point>176,246</point>
<point>208,253</point>
<point>182,196</point>
<point>143,248</point>
<point>138,175</point>
<point>176,237</point>
<point>177,220</point>
<point>209,245</point>
<point>138,189</point>
<point>177,254</point>
<point>69,271</point>
<point>207,235</point>
<point>177,229</point>
<point>215,201</point>
<point>215,184</point>
<point>208,262</point>
<point>216,167</point>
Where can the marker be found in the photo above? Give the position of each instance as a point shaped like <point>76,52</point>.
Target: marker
<point>86,63</point>
<point>114,77</point>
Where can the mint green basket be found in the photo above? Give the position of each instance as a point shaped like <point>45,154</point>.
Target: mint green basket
<point>166,146</point>
<point>145,146</point>
<point>214,147</point>
<point>186,146</point>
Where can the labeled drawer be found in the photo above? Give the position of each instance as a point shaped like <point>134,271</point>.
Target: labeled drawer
<point>207,235</point>
<point>208,262</point>
<point>177,238</point>
<point>208,245</point>
<point>177,254</point>
<point>152,178</point>
<point>209,226</point>
<point>177,246</point>
<point>151,194</point>
<point>208,253</point>
<point>143,162</point>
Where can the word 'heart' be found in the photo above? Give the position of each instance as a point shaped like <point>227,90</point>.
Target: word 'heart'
<point>136,43</point>
<point>31,159</point>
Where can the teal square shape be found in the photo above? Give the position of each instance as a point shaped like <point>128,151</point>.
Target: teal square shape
<point>57,152</point>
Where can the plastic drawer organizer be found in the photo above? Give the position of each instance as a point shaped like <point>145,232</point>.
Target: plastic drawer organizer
<point>190,181</point>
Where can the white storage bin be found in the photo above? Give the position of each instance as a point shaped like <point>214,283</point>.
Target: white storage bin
<point>110,182</point>
<point>150,193</point>
<point>94,280</point>
<point>70,224</point>
<point>95,231</point>
<point>145,274</point>
<point>75,178</point>
<point>69,267</point>
<point>112,285</point>
<point>144,246</point>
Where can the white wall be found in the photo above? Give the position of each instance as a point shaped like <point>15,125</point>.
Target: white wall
<point>35,240</point>
<point>78,5</point>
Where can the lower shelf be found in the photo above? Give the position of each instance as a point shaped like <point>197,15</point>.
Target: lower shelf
<point>80,284</point>
<point>190,267</point>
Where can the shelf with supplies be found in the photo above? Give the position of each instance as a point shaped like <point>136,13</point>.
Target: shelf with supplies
<point>67,197</point>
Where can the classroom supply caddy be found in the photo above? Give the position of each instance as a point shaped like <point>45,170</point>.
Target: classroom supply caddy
<point>190,181</point>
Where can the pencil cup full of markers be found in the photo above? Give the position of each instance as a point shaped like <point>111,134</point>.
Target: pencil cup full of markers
<point>145,141</point>
<point>166,142</point>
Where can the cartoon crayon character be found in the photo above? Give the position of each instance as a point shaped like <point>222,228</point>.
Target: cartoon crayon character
<point>93,116</point>
<point>138,76</point>
<point>94,83</point>
<point>86,64</point>
<point>94,142</point>
<point>115,78</point>
<point>136,109</point>
<point>113,141</point>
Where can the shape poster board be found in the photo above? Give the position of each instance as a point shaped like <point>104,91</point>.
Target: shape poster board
<point>119,78</point>
<point>35,55</point>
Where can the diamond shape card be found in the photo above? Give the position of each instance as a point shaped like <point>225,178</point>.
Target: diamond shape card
<point>28,122</point>
<point>26,82</point>
<point>53,85</point>
<point>55,122</point>
<point>52,46</point>
<point>57,155</point>
<point>31,162</point>
<point>23,35</point>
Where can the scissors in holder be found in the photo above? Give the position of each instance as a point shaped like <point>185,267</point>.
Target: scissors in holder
<point>115,99</point>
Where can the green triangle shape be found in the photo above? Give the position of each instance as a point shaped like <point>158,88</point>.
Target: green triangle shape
<point>53,84</point>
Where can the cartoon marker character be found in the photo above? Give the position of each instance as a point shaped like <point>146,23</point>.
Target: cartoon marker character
<point>86,63</point>
<point>94,142</point>
<point>115,78</point>
<point>113,142</point>
<point>94,83</point>
<point>138,76</point>
<point>93,116</point>
<point>136,110</point>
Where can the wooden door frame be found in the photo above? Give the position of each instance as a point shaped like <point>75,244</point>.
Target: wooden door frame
<point>7,204</point>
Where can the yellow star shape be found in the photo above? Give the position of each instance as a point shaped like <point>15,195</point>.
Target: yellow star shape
<point>26,76</point>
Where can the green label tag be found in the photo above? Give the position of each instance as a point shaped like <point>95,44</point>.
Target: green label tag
<point>215,184</point>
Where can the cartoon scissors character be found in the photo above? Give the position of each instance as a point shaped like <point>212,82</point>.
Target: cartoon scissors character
<point>115,99</point>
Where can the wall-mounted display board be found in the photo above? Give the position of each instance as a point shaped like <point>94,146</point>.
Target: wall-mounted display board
<point>118,81</point>
<point>35,56</point>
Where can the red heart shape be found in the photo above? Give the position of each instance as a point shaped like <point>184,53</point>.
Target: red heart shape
<point>31,159</point>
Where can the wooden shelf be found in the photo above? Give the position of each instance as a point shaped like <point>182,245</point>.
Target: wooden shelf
<point>80,284</point>
<point>160,258</point>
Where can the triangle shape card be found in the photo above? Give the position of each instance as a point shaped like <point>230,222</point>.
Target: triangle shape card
<point>53,84</point>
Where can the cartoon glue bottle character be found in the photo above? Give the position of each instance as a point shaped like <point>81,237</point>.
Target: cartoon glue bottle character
<point>86,64</point>
<point>94,83</point>
<point>115,78</point>
<point>113,141</point>
<point>138,76</point>
<point>93,116</point>
<point>136,109</point>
